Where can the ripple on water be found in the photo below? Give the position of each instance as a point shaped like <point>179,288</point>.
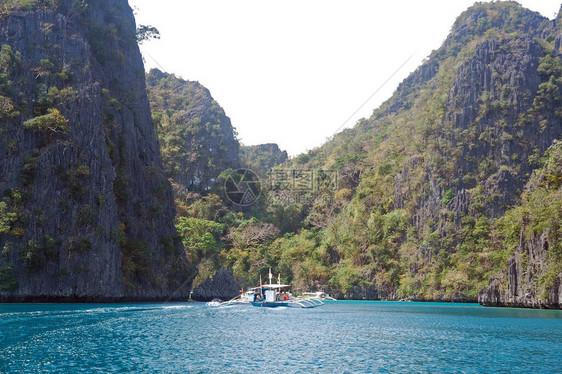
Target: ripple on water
<point>338,337</point>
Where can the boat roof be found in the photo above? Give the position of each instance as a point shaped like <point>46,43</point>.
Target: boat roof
<point>275,285</point>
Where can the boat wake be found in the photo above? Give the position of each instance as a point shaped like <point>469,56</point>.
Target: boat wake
<point>177,307</point>
<point>215,302</point>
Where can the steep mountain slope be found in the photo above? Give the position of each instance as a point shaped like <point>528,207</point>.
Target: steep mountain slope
<point>86,211</point>
<point>424,180</point>
<point>200,151</point>
<point>197,139</point>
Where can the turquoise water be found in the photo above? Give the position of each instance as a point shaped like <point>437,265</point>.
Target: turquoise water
<point>339,337</point>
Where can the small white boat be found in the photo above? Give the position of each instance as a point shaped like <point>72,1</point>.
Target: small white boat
<point>317,295</point>
<point>243,298</point>
<point>274,295</point>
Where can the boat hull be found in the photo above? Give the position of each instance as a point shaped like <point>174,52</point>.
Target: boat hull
<point>268,304</point>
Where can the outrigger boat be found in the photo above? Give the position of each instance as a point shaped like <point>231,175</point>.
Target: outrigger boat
<point>317,295</point>
<point>276,295</point>
<point>273,295</point>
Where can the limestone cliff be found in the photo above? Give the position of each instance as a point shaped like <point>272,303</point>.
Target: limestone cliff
<point>500,113</point>
<point>425,181</point>
<point>220,286</point>
<point>87,212</point>
<point>532,237</point>
<point>197,139</point>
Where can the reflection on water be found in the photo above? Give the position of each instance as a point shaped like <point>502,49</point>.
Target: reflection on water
<point>335,338</point>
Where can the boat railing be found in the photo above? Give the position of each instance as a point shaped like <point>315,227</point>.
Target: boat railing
<point>303,302</point>
<point>235,300</point>
<point>308,303</point>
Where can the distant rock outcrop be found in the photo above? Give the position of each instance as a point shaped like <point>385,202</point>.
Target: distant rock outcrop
<point>262,158</point>
<point>220,286</point>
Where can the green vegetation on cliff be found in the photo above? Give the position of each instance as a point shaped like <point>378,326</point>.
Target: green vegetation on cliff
<point>531,233</point>
<point>197,140</point>
<point>431,200</point>
<point>200,151</point>
<point>440,162</point>
<point>86,212</point>
<point>262,158</point>
<point>449,191</point>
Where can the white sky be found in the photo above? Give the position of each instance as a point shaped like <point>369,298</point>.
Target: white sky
<point>292,71</point>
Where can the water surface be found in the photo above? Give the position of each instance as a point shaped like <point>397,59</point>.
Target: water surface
<point>339,337</point>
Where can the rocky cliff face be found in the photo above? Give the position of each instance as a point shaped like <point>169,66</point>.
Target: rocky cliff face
<point>532,234</point>
<point>518,285</point>
<point>220,286</point>
<point>88,213</point>
<point>498,116</point>
<point>492,107</point>
<point>426,181</point>
<point>197,139</point>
